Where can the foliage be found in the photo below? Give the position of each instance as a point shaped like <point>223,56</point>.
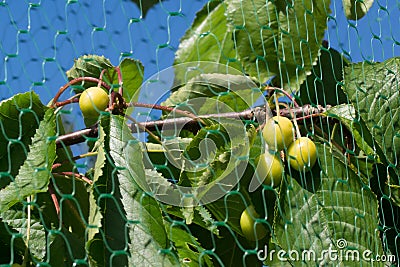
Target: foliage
<point>175,197</point>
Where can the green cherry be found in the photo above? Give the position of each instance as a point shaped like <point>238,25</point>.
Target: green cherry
<point>251,230</point>
<point>92,101</point>
<point>278,133</point>
<point>270,168</point>
<point>302,153</point>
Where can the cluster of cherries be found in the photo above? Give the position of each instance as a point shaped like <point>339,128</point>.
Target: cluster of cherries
<point>301,154</point>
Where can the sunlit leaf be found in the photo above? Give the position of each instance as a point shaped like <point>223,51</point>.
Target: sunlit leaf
<point>34,175</point>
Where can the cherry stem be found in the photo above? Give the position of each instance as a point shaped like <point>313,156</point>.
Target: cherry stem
<point>120,82</point>
<point>54,198</point>
<point>276,104</point>
<point>76,175</point>
<point>72,82</point>
<point>283,92</point>
<point>101,77</point>
<point>293,115</point>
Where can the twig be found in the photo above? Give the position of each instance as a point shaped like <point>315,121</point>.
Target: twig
<point>76,175</point>
<point>101,77</point>
<point>257,114</point>
<point>169,109</point>
<point>142,128</point>
<point>77,137</point>
<point>66,102</point>
<point>303,110</point>
<point>28,231</point>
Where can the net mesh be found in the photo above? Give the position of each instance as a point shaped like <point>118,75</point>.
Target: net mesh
<point>349,203</point>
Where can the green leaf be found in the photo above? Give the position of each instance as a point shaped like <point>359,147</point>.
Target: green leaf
<point>356,9</point>
<point>187,246</point>
<point>18,221</point>
<point>108,197</point>
<point>57,251</point>
<point>201,217</point>
<point>278,38</point>
<point>11,243</point>
<point>95,215</point>
<point>230,208</point>
<point>342,208</point>
<point>204,149</point>
<point>74,244</point>
<point>132,72</point>
<point>224,168</point>
<point>88,66</point>
<point>322,86</point>
<point>373,89</point>
<point>365,156</point>
<point>19,118</point>
<point>229,93</point>
<point>395,194</point>
<point>207,40</point>
<point>161,189</point>
<point>34,175</point>
<point>92,65</point>
<point>231,250</point>
<point>145,223</point>
<point>347,115</point>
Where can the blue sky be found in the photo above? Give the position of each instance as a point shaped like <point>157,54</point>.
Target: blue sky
<point>38,42</point>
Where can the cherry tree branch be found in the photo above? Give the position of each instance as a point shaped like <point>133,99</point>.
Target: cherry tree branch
<point>256,114</point>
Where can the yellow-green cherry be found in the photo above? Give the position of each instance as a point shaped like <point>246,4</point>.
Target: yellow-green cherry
<point>251,230</point>
<point>92,101</point>
<point>278,133</point>
<point>302,153</point>
<point>269,169</point>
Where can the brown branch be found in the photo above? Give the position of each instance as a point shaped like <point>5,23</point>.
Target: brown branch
<point>305,110</point>
<point>169,109</point>
<point>256,114</point>
<point>66,102</point>
<point>77,137</point>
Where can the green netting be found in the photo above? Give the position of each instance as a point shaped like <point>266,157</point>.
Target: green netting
<point>184,164</point>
